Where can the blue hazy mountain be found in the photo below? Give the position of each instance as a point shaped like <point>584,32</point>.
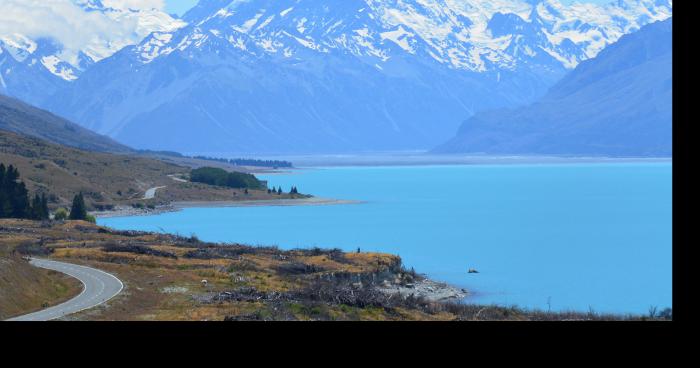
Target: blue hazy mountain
<point>617,104</point>
<point>311,75</point>
<point>21,118</point>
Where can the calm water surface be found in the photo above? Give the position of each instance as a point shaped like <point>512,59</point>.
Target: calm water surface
<point>556,236</point>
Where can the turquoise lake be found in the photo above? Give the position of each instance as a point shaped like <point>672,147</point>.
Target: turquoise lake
<point>561,236</point>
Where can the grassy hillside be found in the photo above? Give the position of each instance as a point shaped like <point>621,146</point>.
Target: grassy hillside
<point>107,179</point>
<point>64,171</point>
<point>19,117</point>
<point>24,288</point>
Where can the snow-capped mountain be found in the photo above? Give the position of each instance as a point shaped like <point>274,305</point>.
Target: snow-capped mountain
<point>475,35</point>
<point>312,75</point>
<point>32,68</point>
<point>617,104</point>
<point>139,24</point>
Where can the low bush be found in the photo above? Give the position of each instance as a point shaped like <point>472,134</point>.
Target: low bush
<point>298,268</point>
<point>137,249</point>
<point>61,214</point>
<point>33,249</point>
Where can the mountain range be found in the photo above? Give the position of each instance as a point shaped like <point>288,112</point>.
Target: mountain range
<point>18,117</point>
<point>617,104</point>
<point>313,76</point>
<point>34,68</point>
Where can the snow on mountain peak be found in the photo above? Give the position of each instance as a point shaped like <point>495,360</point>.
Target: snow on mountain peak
<point>474,35</point>
<point>82,31</point>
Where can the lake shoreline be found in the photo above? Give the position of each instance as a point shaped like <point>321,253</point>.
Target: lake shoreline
<point>128,211</point>
<point>428,289</point>
<point>303,162</point>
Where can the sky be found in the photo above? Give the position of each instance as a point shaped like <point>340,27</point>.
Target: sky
<point>179,7</point>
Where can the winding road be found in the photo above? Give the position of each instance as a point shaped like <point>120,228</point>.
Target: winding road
<point>151,193</point>
<point>98,287</point>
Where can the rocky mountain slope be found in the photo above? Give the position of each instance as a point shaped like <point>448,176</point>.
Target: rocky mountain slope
<point>617,104</point>
<point>19,117</point>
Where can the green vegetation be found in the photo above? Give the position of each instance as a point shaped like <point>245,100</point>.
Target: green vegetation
<point>78,210</point>
<point>60,214</point>
<point>223,178</point>
<point>14,197</point>
<point>40,207</point>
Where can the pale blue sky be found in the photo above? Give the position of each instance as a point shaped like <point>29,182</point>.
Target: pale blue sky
<point>181,6</point>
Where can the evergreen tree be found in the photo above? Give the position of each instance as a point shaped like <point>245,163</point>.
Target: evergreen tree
<point>39,208</point>
<point>279,191</point>
<point>20,202</point>
<point>5,208</point>
<point>44,207</point>
<point>35,212</point>
<point>14,197</point>
<point>78,211</point>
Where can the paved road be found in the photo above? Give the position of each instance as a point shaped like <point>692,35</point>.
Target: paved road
<point>181,180</point>
<point>151,193</point>
<point>98,287</point>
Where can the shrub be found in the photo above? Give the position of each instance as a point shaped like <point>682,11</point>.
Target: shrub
<point>298,268</point>
<point>61,214</point>
<point>33,249</point>
<point>90,218</point>
<point>137,249</point>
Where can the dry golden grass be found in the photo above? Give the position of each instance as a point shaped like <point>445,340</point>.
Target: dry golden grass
<point>25,289</point>
<point>104,178</point>
<point>288,285</point>
<point>161,288</point>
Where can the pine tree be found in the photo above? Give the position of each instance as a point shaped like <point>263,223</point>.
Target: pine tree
<point>78,211</point>
<point>14,197</point>
<point>44,207</point>
<point>4,198</point>
<point>20,201</point>
<point>35,213</point>
<point>39,208</point>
